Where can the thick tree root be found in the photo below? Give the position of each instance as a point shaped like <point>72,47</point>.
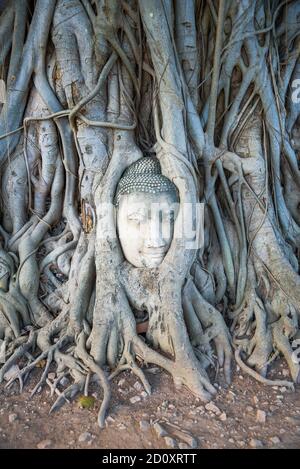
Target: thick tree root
<point>258,377</point>
<point>135,86</point>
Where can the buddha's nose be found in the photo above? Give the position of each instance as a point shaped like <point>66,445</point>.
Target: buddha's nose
<point>157,242</point>
<point>154,237</point>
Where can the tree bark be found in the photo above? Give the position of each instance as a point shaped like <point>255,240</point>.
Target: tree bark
<point>209,89</point>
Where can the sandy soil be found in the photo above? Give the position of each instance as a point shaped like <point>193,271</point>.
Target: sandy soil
<point>247,415</point>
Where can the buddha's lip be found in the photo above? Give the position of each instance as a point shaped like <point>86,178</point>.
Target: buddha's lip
<point>153,252</point>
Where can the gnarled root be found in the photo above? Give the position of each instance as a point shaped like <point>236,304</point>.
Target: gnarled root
<point>213,323</point>
<point>263,328</point>
<point>168,320</point>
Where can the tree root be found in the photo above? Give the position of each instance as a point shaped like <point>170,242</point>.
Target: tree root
<point>258,377</point>
<point>131,365</point>
<point>68,394</point>
<point>86,358</point>
<point>83,128</point>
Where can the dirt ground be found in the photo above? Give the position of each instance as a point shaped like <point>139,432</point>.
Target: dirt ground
<point>246,415</point>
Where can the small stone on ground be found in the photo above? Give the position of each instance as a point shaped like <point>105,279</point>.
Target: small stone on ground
<point>12,418</point>
<point>84,437</point>
<point>135,399</point>
<point>255,443</point>
<point>170,442</point>
<point>261,416</point>
<point>144,425</point>
<point>44,444</point>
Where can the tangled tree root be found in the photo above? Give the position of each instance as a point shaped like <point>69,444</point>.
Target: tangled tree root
<point>222,121</point>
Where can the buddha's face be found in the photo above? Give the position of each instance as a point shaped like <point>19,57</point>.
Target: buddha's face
<point>145,225</point>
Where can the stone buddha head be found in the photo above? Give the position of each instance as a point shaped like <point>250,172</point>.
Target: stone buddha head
<point>147,205</point>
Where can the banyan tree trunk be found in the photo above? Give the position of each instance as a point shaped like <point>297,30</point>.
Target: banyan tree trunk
<point>89,87</point>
